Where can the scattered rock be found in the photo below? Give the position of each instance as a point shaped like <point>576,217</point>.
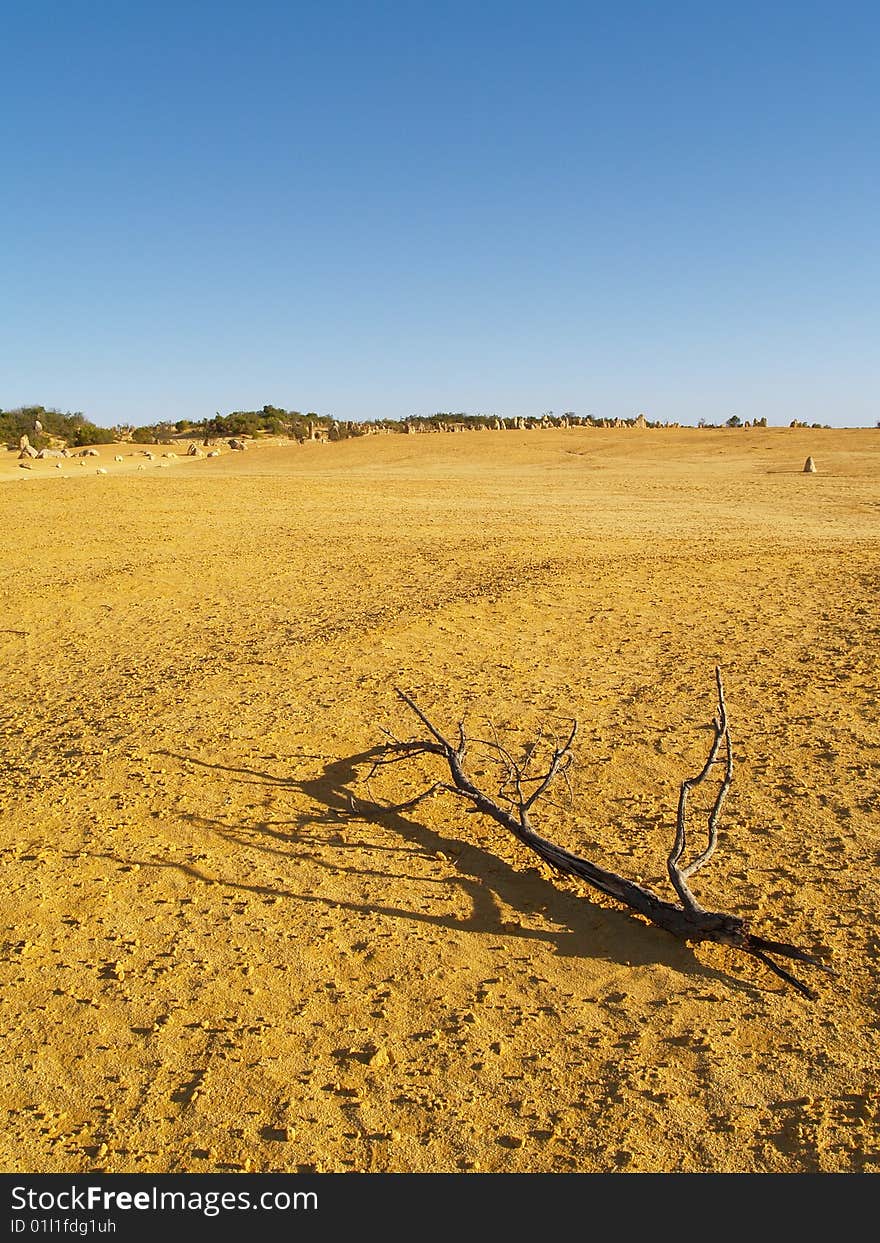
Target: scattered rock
<point>378,1058</point>
<point>809,467</point>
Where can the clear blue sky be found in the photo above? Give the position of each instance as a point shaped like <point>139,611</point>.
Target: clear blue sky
<point>379,209</point>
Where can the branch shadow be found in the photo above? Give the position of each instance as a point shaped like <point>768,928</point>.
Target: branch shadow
<point>586,928</point>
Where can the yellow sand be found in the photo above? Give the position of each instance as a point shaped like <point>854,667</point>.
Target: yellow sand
<point>215,960</point>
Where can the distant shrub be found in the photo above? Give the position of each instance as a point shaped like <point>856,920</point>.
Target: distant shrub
<point>89,434</point>
<point>72,429</point>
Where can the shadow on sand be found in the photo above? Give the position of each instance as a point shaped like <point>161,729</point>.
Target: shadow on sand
<point>573,923</point>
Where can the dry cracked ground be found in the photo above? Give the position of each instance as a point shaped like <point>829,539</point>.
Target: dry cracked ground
<point>222,953</point>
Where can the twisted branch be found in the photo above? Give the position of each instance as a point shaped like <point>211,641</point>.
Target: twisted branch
<point>686,920</point>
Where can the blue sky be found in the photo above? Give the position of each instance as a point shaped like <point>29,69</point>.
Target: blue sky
<point>372,210</point>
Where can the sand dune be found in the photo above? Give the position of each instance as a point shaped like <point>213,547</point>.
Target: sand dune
<point>214,960</point>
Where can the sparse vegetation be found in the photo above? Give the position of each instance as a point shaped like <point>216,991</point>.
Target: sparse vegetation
<point>73,429</point>
<point>43,427</point>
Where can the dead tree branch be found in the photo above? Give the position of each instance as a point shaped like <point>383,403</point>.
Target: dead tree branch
<point>510,808</point>
<point>680,875</point>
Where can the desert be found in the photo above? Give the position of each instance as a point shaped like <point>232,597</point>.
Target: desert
<point>222,952</point>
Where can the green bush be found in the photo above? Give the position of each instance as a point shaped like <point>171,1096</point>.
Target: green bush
<point>73,429</point>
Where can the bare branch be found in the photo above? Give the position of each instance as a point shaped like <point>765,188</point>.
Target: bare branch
<point>393,808</point>
<point>680,875</point>
<point>687,921</point>
<point>397,753</point>
<point>438,738</point>
<point>560,762</point>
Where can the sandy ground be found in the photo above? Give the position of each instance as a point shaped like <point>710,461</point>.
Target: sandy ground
<point>215,960</point>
